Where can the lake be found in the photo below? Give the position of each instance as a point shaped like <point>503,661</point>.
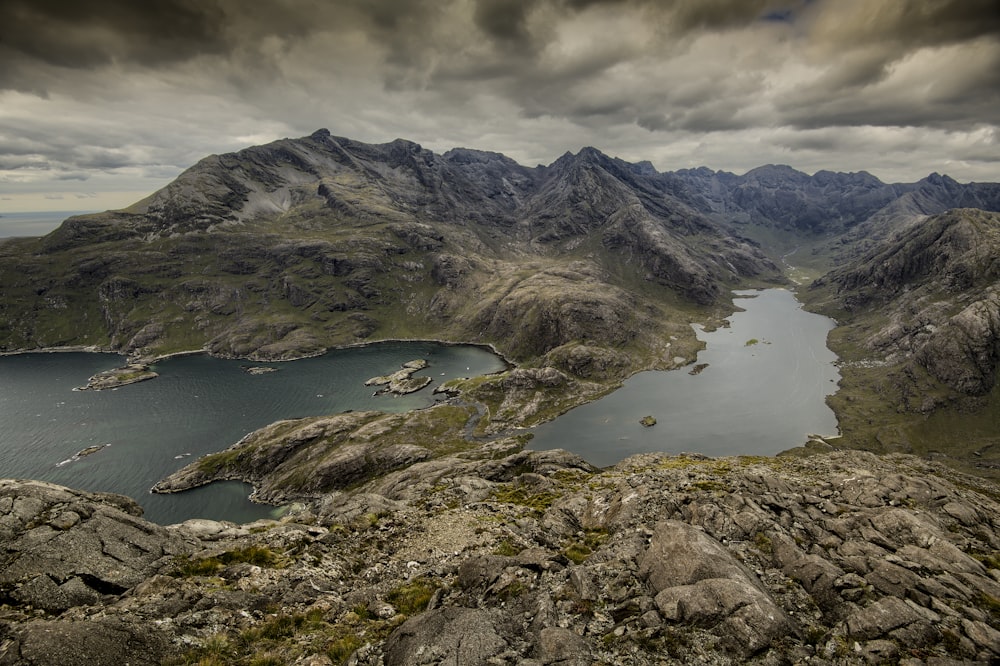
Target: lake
<point>763,391</point>
<point>197,405</point>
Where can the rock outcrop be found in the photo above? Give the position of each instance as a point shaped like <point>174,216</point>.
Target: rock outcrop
<point>923,307</point>
<point>526,558</point>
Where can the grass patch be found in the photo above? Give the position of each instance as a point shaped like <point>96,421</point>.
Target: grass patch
<point>507,548</point>
<point>260,556</point>
<point>510,493</point>
<point>578,551</point>
<point>413,597</point>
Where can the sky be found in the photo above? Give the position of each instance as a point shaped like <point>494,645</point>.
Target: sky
<point>105,101</point>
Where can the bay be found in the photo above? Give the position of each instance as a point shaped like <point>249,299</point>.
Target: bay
<point>197,405</point>
<point>762,391</point>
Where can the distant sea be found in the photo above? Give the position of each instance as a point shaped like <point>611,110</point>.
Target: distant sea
<point>34,224</point>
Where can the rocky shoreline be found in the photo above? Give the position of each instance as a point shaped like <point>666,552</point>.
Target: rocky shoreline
<point>486,557</point>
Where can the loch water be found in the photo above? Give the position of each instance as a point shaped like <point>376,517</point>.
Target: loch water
<point>197,405</point>
<point>763,391</point>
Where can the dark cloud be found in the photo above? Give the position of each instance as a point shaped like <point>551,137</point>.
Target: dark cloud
<point>504,20</point>
<point>146,88</point>
<point>85,34</point>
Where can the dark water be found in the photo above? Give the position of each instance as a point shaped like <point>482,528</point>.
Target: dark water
<point>755,399</point>
<point>197,405</point>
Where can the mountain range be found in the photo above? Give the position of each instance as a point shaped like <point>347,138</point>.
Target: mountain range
<point>432,535</point>
<point>591,265</point>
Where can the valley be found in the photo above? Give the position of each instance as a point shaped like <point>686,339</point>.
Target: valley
<point>591,267</point>
<point>436,531</point>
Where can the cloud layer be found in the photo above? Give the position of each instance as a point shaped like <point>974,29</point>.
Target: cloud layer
<point>118,95</point>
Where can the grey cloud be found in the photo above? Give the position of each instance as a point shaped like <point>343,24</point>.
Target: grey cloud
<point>84,34</point>
<point>505,20</point>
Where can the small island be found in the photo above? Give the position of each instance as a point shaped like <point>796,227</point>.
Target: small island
<point>696,370</point>
<point>258,369</point>
<point>648,421</point>
<point>402,381</point>
<point>110,379</point>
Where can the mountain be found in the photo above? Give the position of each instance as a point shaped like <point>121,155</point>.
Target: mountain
<point>919,330</point>
<point>283,250</point>
<point>414,538</point>
<point>591,268</point>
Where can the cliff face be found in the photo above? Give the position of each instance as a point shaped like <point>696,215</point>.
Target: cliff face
<point>528,558</point>
<point>934,289</point>
<point>919,323</point>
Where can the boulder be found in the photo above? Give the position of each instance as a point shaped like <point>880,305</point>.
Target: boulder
<point>445,636</point>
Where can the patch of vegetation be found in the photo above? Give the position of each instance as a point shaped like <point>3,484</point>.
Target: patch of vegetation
<point>413,597</point>
<point>213,463</point>
<point>751,342</point>
<point>990,605</point>
<point>989,560</point>
<point>763,543</point>
<point>710,485</point>
<point>507,548</point>
<point>512,493</point>
<point>261,556</point>
<point>341,648</point>
<point>578,551</point>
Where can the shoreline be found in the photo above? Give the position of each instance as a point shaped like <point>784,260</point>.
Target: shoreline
<point>96,349</point>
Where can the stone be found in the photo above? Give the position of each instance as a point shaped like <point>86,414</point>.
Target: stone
<point>880,618</point>
<point>562,647</point>
<point>96,642</point>
<point>446,636</point>
<point>680,554</point>
<point>744,616</point>
<point>983,635</point>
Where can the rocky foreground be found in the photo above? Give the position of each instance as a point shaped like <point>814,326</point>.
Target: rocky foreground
<point>528,558</point>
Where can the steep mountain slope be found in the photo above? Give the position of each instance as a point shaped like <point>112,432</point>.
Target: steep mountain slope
<point>285,249</point>
<point>920,330</point>
<point>837,217</point>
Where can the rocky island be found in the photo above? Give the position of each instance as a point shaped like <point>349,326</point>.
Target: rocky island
<point>111,379</point>
<point>402,381</point>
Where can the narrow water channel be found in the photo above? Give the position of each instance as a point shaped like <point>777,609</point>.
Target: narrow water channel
<point>762,391</point>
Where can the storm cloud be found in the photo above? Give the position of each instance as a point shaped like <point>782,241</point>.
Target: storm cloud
<point>133,92</point>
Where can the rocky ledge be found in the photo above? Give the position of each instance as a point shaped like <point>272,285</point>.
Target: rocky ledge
<point>525,558</point>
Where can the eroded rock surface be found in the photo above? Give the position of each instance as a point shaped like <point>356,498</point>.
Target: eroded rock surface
<point>529,558</point>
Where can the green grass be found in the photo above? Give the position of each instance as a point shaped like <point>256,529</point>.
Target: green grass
<point>511,493</point>
<point>261,556</point>
<point>413,597</point>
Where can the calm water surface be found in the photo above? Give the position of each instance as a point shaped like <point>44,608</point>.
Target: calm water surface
<point>197,405</point>
<point>752,399</point>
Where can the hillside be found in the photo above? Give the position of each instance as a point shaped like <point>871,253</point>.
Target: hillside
<point>919,338</point>
<point>286,249</point>
<point>592,267</point>
<point>536,558</point>
<point>432,536</point>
